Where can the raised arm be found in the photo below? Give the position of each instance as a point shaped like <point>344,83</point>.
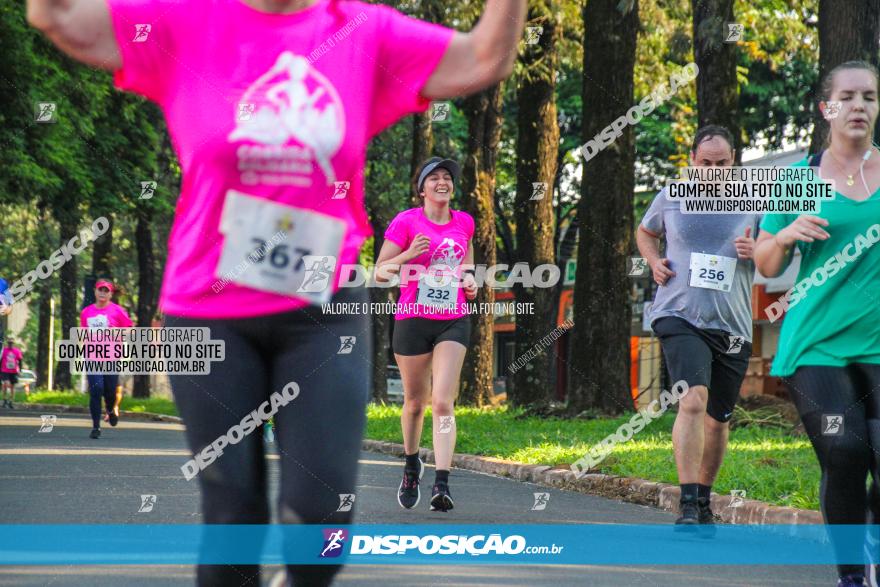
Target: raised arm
<point>773,252</point>
<point>482,57</point>
<point>80,28</point>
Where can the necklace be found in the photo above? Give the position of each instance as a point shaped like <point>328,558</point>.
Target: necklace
<point>849,176</point>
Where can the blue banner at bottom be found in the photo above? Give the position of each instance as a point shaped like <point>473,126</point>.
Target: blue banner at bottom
<point>595,544</point>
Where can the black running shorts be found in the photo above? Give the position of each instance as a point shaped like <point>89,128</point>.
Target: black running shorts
<point>417,336</point>
<point>708,357</point>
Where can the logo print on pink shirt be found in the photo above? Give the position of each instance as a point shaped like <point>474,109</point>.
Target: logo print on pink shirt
<point>293,102</point>
<point>449,254</point>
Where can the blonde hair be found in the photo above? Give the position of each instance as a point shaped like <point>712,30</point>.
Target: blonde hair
<point>827,86</point>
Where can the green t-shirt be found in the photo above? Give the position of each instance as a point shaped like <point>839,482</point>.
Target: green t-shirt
<point>836,320</point>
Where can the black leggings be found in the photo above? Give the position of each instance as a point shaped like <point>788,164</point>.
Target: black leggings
<point>318,434</point>
<point>101,386</point>
<point>849,457</point>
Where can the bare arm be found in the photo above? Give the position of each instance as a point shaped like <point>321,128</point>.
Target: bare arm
<point>392,256</point>
<point>773,252</point>
<point>482,57</point>
<point>649,247</point>
<point>80,28</point>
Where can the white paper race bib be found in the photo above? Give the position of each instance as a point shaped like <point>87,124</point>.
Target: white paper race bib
<point>438,291</point>
<point>278,248</point>
<point>712,271</point>
<point>99,321</point>
<point>10,361</point>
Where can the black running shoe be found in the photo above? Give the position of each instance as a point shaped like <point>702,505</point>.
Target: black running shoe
<point>851,581</point>
<point>706,516</point>
<point>441,499</point>
<point>690,513</point>
<point>114,416</point>
<point>408,494</point>
<point>11,407</point>
<point>96,433</point>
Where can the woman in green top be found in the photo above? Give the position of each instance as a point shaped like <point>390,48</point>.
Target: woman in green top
<point>829,346</point>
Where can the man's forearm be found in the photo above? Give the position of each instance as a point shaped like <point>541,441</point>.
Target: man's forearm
<point>649,246</point>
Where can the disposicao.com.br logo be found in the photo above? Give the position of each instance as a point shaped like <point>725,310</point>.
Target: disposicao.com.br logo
<point>451,544</point>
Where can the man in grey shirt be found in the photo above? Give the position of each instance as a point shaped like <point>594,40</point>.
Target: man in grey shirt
<point>703,316</point>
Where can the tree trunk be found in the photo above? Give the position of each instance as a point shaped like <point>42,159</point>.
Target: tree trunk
<point>44,305</point>
<point>146,304</point>
<point>381,322</point>
<point>483,112</point>
<point>67,225</point>
<point>423,133</point>
<point>102,249</point>
<point>422,148</point>
<point>537,148</point>
<point>600,361</point>
<point>847,31</point>
<point>717,89</point>
<point>44,309</point>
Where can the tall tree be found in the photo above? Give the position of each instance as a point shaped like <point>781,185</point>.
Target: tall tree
<point>847,31</point>
<point>422,129</point>
<point>483,113</point>
<point>537,148</point>
<point>387,192</point>
<point>68,221</point>
<point>717,89</point>
<point>102,249</point>
<point>600,359</point>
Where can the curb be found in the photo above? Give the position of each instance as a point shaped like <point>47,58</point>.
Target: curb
<point>133,416</point>
<point>641,491</point>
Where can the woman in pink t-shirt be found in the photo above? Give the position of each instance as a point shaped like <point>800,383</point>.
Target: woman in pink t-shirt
<point>10,367</point>
<point>270,105</point>
<point>104,314</point>
<point>431,249</point>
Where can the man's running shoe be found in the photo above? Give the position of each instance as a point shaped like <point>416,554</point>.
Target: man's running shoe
<point>851,581</point>
<point>689,513</point>
<point>441,499</point>
<point>5,403</point>
<point>9,403</point>
<point>705,516</point>
<point>408,494</point>
<point>96,433</point>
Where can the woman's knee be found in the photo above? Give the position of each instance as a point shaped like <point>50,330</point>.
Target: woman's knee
<point>442,406</point>
<point>414,406</point>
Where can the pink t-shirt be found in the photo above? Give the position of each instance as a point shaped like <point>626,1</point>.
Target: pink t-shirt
<point>279,107</point>
<point>110,316</point>
<point>449,245</point>
<point>10,360</point>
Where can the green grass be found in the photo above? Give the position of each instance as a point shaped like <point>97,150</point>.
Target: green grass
<point>768,463</point>
<point>154,405</point>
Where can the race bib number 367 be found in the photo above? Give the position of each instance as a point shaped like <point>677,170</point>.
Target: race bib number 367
<point>266,245</point>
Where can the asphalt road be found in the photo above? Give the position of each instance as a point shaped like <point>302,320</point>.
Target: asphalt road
<point>60,478</point>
